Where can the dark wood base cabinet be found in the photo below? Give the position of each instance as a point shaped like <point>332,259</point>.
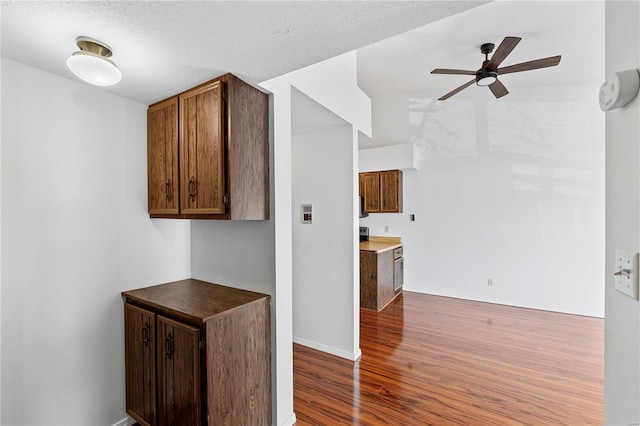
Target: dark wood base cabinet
<point>197,353</point>
<point>376,279</point>
<point>381,272</point>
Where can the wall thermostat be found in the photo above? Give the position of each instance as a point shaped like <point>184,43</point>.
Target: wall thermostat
<point>307,213</point>
<point>619,90</point>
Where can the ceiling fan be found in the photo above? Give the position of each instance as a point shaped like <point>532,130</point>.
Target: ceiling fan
<point>488,74</point>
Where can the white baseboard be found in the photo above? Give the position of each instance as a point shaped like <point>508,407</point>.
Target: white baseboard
<point>351,356</point>
<point>357,355</point>
<point>127,421</point>
<point>290,421</point>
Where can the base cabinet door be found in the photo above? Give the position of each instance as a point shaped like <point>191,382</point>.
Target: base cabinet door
<point>140,364</point>
<point>178,374</point>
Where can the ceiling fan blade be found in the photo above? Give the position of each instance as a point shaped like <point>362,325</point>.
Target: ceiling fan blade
<point>498,89</point>
<point>448,71</point>
<point>456,90</point>
<point>531,65</point>
<point>507,45</point>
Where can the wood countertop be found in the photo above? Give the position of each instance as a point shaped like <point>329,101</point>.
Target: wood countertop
<point>191,300</point>
<point>380,244</point>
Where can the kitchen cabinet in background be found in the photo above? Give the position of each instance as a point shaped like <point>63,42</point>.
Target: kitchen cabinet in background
<point>208,153</point>
<point>376,279</point>
<point>382,191</point>
<point>370,191</point>
<point>381,270</point>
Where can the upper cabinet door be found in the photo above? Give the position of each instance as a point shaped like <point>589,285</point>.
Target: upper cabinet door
<point>162,157</point>
<point>202,150</point>
<point>391,191</point>
<point>370,191</point>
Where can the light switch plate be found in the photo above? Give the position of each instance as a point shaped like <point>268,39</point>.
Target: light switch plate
<point>626,272</point>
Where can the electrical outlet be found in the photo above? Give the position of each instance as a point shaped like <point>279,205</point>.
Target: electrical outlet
<point>626,272</point>
<point>386,229</point>
<point>490,282</point>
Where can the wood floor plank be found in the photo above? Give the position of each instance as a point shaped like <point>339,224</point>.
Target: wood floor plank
<point>430,360</point>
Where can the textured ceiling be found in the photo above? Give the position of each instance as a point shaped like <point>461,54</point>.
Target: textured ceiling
<point>163,47</point>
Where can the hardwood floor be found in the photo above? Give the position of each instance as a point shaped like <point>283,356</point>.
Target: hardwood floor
<point>431,360</point>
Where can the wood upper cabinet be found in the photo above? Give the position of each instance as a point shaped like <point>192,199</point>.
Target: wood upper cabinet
<point>162,157</point>
<point>202,172</point>
<point>382,191</point>
<point>391,191</point>
<point>370,187</point>
<point>223,145</point>
<point>197,353</point>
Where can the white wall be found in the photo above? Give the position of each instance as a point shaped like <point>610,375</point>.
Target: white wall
<point>514,195</point>
<point>400,156</point>
<point>323,252</point>
<point>75,233</point>
<point>333,84</point>
<point>622,324</point>
<point>0,242</point>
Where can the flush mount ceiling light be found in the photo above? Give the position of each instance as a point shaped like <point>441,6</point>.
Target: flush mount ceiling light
<point>92,63</point>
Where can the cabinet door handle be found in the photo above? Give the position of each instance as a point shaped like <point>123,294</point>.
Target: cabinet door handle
<point>168,345</point>
<point>192,188</point>
<point>145,334</point>
<point>168,189</point>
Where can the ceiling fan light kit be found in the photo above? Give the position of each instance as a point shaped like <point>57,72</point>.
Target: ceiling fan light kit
<point>487,75</point>
<point>92,64</point>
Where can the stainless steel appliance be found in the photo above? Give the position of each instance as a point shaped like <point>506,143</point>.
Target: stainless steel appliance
<point>362,212</point>
<point>364,233</point>
<point>398,270</point>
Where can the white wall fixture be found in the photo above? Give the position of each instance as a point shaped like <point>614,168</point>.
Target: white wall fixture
<point>92,64</point>
<point>618,91</point>
<point>626,274</point>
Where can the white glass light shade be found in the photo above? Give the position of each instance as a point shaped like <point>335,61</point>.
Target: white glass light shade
<point>486,81</point>
<point>94,69</point>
